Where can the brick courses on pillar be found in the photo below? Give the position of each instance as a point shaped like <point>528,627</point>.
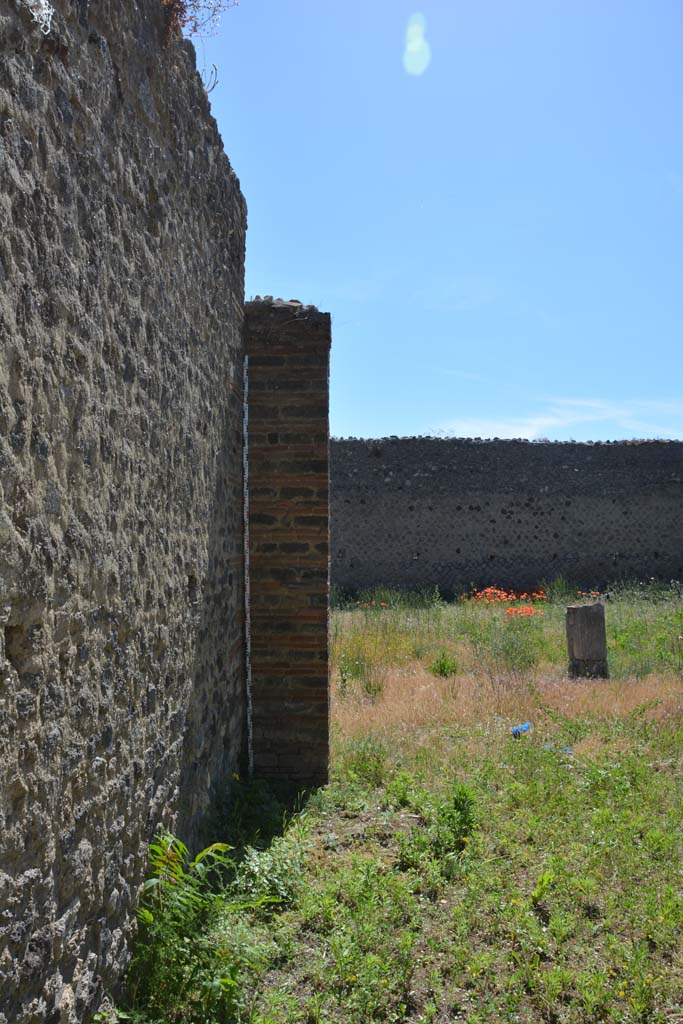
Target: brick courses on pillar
<point>288,348</point>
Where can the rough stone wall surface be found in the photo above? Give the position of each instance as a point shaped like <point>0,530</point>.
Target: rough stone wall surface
<point>288,348</point>
<point>415,512</point>
<point>121,307</point>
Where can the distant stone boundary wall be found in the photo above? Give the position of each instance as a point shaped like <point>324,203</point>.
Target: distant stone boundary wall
<point>414,512</point>
<point>121,585</point>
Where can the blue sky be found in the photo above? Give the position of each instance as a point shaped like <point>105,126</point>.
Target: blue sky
<point>499,238</point>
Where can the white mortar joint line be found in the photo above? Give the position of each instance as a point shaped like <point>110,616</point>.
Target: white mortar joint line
<point>247,578</point>
<point>42,13</point>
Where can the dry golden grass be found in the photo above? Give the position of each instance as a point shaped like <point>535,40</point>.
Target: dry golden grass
<point>413,698</point>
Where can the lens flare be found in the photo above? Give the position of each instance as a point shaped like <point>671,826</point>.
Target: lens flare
<point>417,54</point>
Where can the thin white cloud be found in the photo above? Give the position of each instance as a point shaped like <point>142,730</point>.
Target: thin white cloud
<point>565,417</point>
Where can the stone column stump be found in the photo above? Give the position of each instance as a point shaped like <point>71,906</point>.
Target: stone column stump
<point>587,641</point>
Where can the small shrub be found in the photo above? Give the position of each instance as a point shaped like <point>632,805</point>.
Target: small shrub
<point>384,597</point>
<point>515,643</point>
<point>419,648</point>
<point>444,665</point>
<point>358,665</point>
<point>175,974</point>
<point>450,825</point>
<point>344,676</point>
<point>196,17</point>
<point>365,761</point>
<point>180,888</point>
<point>340,599</point>
<point>403,791</point>
<point>274,874</point>
<point>559,591</point>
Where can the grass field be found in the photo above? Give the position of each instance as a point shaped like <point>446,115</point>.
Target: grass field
<point>451,872</point>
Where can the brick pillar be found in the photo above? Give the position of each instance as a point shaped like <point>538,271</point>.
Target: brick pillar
<point>288,349</point>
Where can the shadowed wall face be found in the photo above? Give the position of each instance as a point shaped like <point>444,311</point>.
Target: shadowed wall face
<point>414,512</point>
<point>288,349</point>
<point>121,307</point>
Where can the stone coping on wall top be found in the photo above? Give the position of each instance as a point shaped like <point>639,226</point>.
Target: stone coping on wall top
<point>269,320</point>
<point>393,439</point>
<point>268,300</point>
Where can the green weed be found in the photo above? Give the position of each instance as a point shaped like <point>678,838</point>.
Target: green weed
<point>365,761</point>
<point>175,974</point>
<point>437,843</point>
<point>276,873</point>
<point>444,665</point>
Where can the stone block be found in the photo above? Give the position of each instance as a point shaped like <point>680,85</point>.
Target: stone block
<point>587,640</point>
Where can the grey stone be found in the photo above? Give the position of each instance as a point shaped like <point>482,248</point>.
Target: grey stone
<point>121,298</point>
<point>508,513</point>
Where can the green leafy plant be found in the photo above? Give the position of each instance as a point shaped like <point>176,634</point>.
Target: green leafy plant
<point>345,672</point>
<point>275,873</point>
<point>444,665</point>
<point>402,790</point>
<point>366,762</point>
<point>448,829</point>
<point>363,667</point>
<point>177,974</point>
<point>178,887</point>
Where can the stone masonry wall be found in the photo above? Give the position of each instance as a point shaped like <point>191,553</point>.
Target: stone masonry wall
<point>413,512</point>
<point>121,591</point>
<point>288,348</point>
